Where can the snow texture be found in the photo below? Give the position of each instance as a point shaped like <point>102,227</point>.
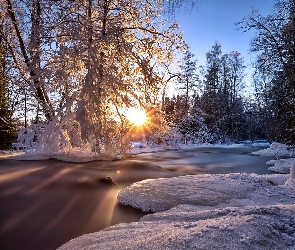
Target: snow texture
<point>232,211</point>
<point>278,150</point>
<point>281,166</point>
<point>74,155</point>
<point>186,227</point>
<point>208,190</point>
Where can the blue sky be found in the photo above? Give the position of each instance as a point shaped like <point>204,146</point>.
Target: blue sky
<point>214,20</point>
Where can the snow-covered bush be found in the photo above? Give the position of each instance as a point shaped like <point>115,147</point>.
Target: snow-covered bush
<point>56,136</point>
<point>169,138</point>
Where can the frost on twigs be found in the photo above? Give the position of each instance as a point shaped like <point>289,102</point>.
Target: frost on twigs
<point>59,139</point>
<point>102,58</point>
<point>56,136</point>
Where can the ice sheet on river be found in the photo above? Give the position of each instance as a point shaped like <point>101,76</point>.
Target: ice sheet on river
<point>232,211</point>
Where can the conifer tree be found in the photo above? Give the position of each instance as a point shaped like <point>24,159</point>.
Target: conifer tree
<point>188,80</point>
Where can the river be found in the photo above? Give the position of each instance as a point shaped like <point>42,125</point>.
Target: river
<point>44,204</point>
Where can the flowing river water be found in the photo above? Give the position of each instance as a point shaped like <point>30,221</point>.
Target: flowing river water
<point>44,204</point>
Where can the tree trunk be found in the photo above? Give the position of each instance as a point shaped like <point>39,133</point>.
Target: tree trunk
<point>34,63</point>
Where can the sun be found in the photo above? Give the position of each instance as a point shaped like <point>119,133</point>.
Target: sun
<point>136,116</point>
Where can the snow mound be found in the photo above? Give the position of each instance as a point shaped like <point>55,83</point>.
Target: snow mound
<point>185,227</point>
<point>276,149</point>
<point>208,190</point>
<point>278,145</point>
<point>272,152</point>
<point>75,155</point>
<point>281,166</point>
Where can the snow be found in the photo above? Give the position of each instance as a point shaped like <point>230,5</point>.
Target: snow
<point>74,155</point>
<point>213,190</point>
<point>185,227</point>
<point>281,166</point>
<point>212,211</point>
<point>277,150</point>
<point>233,211</point>
<point>77,154</point>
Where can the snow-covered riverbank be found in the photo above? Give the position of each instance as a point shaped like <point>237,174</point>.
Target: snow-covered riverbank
<point>234,211</point>
<point>211,211</point>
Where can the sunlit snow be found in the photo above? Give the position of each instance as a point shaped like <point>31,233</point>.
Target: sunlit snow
<point>234,211</point>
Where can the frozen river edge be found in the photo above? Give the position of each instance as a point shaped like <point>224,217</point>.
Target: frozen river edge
<point>214,211</point>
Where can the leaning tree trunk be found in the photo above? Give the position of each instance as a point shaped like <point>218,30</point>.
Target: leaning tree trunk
<point>33,62</point>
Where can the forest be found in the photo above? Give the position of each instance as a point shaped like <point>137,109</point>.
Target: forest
<point>71,70</point>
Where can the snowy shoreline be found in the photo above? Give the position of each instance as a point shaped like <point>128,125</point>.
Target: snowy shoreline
<point>233,211</point>
<point>211,211</point>
<point>277,150</point>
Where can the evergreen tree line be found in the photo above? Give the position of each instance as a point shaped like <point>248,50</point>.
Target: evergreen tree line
<point>211,105</point>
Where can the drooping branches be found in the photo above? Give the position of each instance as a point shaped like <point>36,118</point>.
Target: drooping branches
<point>92,59</point>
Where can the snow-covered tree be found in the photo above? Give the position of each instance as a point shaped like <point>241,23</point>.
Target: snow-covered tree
<point>187,83</point>
<point>22,32</point>
<point>222,97</point>
<point>274,80</point>
<point>87,61</point>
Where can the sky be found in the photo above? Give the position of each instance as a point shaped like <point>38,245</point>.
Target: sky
<point>214,20</point>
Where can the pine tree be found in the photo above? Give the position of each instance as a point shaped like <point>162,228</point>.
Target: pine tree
<point>221,101</point>
<point>187,81</point>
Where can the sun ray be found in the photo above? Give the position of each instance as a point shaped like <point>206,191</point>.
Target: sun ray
<point>136,116</point>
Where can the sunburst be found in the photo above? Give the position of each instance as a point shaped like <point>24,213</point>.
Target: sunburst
<point>136,116</point>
